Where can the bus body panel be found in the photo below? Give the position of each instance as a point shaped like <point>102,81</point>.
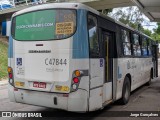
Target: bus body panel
<point>96,84</point>
<point>11,94</point>
<point>78,64</point>
<point>96,73</point>
<point>138,68</point>
<point>95,99</point>
<point>51,68</point>
<point>76,101</point>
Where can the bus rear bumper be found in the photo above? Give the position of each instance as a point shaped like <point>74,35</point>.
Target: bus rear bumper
<point>76,101</point>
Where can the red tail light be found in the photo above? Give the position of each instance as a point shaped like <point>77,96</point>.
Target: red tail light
<point>75,80</point>
<point>10,75</point>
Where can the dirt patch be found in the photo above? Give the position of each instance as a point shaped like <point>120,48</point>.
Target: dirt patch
<point>4,79</point>
<point>4,40</point>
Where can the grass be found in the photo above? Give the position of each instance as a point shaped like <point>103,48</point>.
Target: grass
<point>3,60</point>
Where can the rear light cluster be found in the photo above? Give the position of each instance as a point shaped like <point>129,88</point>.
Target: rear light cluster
<point>76,79</point>
<point>10,75</point>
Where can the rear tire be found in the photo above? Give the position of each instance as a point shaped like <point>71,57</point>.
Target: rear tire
<point>151,76</point>
<point>126,91</point>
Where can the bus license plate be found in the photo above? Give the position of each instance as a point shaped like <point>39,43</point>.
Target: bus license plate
<point>39,84</point>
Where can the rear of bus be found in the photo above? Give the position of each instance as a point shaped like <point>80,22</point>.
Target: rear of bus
<point>48,57</point>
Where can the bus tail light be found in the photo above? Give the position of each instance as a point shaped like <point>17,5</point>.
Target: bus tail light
<point>74,87</point>
<point>77,73</point>
<point>9,70</point>
<point>10,75</point>
<point>75,84</point>
<point>75,80</point>
<point>76,77</point>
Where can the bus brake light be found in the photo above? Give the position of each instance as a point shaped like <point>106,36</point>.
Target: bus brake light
<point>75,80</point>
<point>10,75</point>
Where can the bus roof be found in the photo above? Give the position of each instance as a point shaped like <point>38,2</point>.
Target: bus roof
<point>57,5</point>
<point>73,6</point>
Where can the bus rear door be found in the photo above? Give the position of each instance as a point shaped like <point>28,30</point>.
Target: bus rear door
<point>108,84</point>
<point>155,61</point>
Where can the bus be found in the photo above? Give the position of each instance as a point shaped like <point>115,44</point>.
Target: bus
<point>69,56</point>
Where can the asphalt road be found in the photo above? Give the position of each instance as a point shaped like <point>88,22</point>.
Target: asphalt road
<point>145,98</point>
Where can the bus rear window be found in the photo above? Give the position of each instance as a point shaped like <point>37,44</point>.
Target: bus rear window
<point>44,25</point>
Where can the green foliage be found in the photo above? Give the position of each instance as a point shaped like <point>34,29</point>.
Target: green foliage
<point>106,11</point>
<point>146,31</point>
<point>3,60</point>
<point>158,28</point>
<point>133,17</point>
<point>130,16</point>
<point>156,36</point>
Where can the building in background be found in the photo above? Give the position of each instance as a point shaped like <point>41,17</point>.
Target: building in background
<point>6,28</point>
<point>5,4</point>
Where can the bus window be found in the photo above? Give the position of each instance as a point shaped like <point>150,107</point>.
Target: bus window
<point>136,45</point>
<point>144,46</point>
<point>44,25</point>
<point>93,36</point>
<point>149,47</point>
<point>126,42</point>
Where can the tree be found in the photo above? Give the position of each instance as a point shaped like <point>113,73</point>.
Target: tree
<point>156,33</point>
<point>106,11</point>
<point>133,17</point>
<point>158,29</point>
<point>130,16</point>
<point>146,31</point>
<point>156,37</point>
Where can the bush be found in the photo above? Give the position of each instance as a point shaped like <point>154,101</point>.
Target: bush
<point>3,59</point>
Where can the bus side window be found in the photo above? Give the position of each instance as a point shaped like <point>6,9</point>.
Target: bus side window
<point>144,47</point>
<point>136,45</point>
<point>126,42</point>
<point>93,37</point>
<point>149,47</point>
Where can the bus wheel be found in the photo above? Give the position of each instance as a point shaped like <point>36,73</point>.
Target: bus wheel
<point>126,91</point>
<point>149,82</point>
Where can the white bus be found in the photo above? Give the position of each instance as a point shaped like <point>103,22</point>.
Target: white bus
<point>68,56</point>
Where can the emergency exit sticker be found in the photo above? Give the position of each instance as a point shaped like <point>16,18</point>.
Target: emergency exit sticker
<point>64,28</point>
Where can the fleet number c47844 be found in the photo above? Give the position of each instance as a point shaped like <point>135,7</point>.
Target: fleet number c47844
<point>55,61</point>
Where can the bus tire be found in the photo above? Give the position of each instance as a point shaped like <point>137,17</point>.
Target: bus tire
<point>125,91</point>
<point>151,76</point>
